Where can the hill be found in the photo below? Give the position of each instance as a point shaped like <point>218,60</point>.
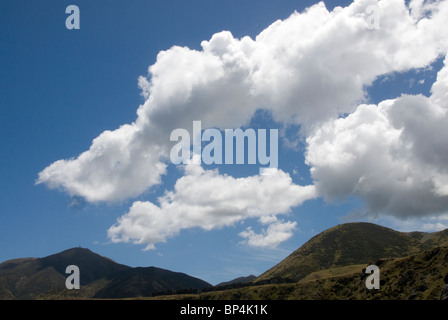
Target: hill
<point>349,244</point>
<point>329,266</point>
<point>93,265</point>
<point>101,277</point>
<point>29,278</point>
<point>417,277</point>
<point>143,282</point>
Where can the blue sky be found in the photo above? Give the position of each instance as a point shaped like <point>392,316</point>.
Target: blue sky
<point>60,89</point>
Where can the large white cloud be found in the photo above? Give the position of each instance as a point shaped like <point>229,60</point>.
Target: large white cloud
<point>208,200</point>
<point>306,69</point>
<point>113,169</point>
<point>393,155</point>
<point>315,65</point>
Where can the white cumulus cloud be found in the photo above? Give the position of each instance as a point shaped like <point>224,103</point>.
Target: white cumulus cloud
<point>209,200</point>
<point>308,68</point>
<point>277,232</point>
<point>392,155</point>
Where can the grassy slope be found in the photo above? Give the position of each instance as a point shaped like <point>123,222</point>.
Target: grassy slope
<point>342,245</point>
<point>330,265</point>
<point>419,277</point>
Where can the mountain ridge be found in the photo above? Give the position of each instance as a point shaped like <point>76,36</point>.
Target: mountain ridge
<point>335,253</point>
<point>44,278</point>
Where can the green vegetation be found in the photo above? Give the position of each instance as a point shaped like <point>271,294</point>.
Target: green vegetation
<point>342,245</point>
<point>335,272</point>
<point>44,278</point>
<point>419,277</point>
<point>329,266</point>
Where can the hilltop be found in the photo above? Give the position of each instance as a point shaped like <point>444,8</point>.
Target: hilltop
<point>100,277</point>
<point>350,244</point>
